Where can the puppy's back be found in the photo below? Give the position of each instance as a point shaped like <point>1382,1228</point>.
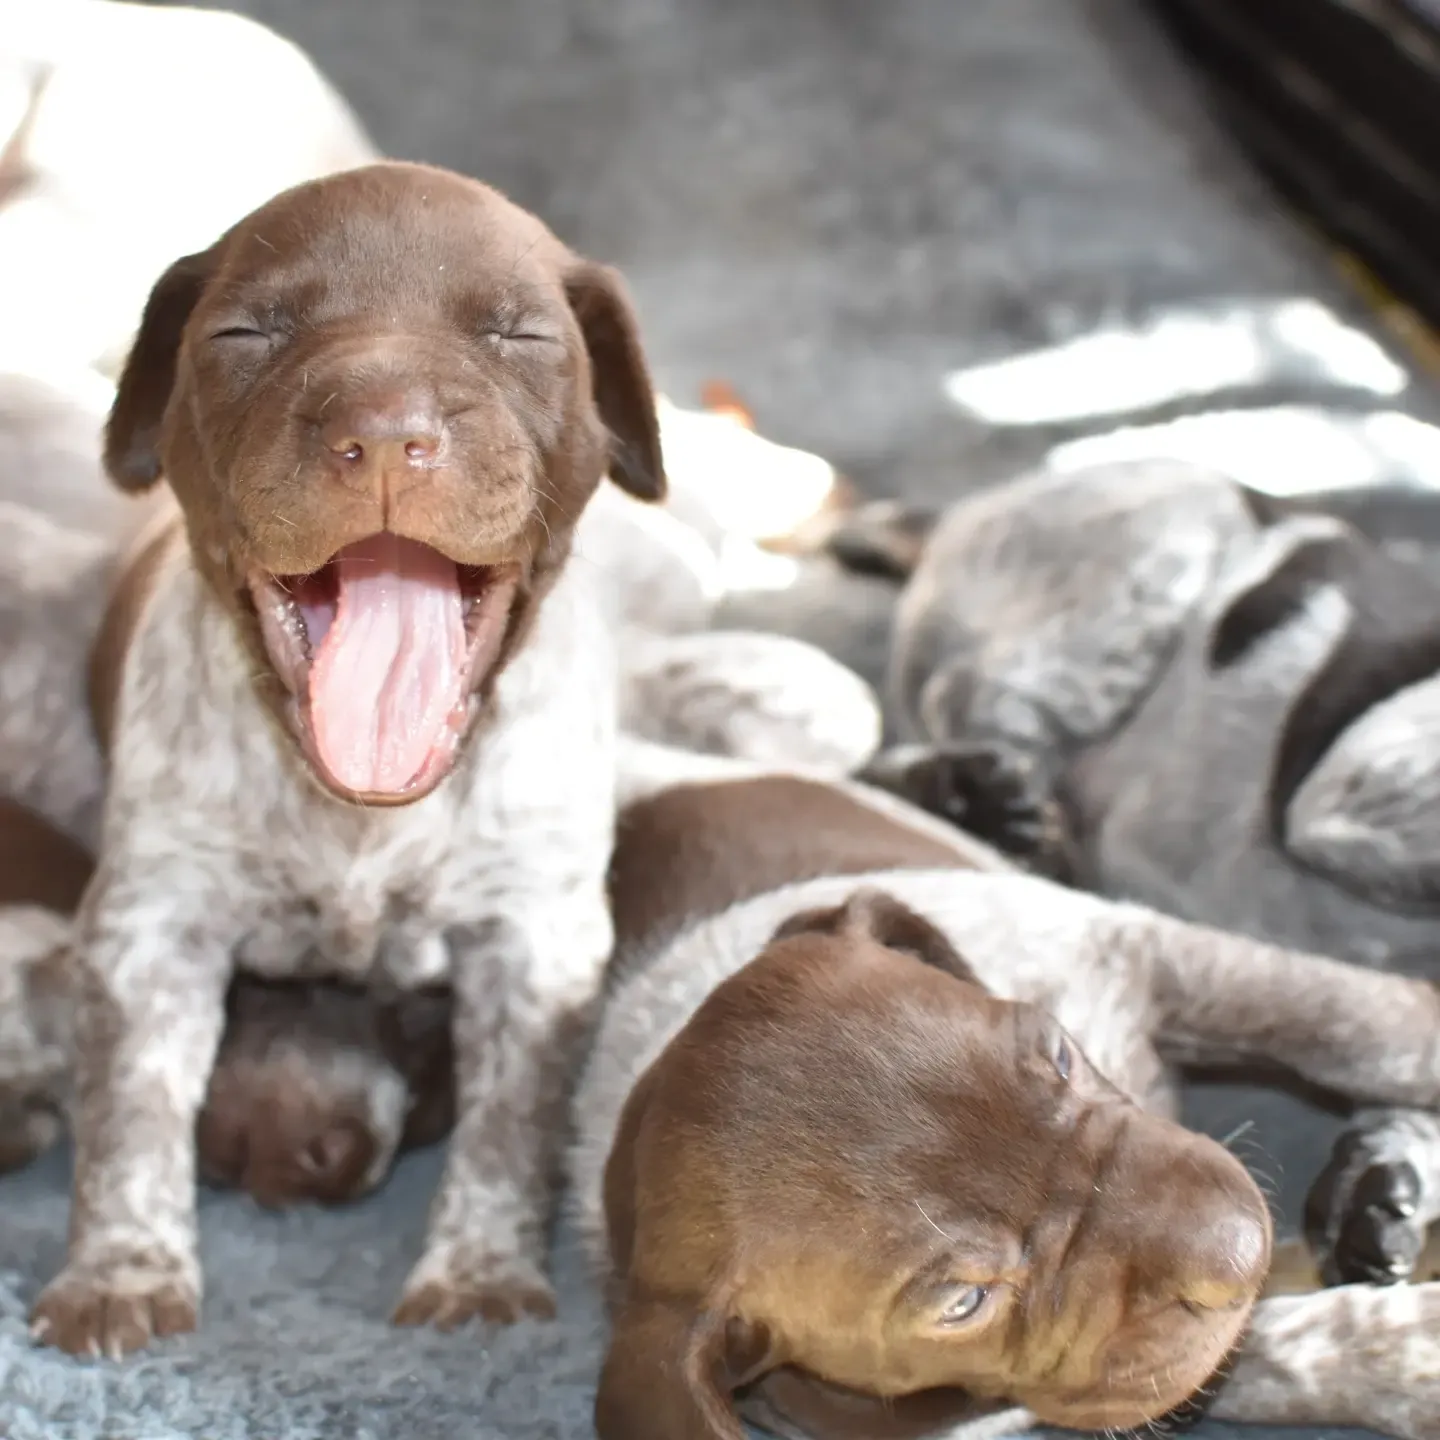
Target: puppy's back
<point>693,850</point>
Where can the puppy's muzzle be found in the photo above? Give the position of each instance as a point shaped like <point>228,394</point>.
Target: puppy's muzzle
<point>386,437</point>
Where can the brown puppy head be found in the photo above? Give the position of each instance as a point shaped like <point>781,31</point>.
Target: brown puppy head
<point>857,1168</point>
<point>383,400</point>
<point>306,1101</point>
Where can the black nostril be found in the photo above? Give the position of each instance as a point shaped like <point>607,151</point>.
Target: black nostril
<point>421,449</point>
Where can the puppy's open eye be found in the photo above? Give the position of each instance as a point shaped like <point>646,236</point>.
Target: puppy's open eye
<point>964,1304</point>
<point>1063,1058</point>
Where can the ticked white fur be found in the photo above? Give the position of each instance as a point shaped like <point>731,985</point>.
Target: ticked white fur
<point>218,848</point>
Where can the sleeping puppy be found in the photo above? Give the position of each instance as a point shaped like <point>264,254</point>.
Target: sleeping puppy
<point>360,711</point>
<point>876,1140</point>
<point>1233,709</point>
<point>315,1088</point>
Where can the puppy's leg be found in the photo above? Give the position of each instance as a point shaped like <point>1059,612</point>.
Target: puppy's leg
<point>1217,998</point>
<point>767,698</point>
<point>150,978</point>
<point>34,1038</point>
<point>987,790</point>
<point>1361,1355</point>
<point>524,987</point>
<point>1367,1214</point>
<point>1369,1037</point>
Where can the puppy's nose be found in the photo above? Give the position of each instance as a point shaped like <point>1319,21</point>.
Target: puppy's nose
<point>1223,1254</point>
<point>337,1157</point>
<point>402,428</point>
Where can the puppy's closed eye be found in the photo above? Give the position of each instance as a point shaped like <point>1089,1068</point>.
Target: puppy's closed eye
<point>244,341</point>
<point>523,335</point>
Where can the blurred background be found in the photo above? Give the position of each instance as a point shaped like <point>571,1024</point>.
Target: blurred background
<point>837,206</point>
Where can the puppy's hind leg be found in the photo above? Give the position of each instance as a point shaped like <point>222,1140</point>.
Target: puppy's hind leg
<point>1361,1355</point>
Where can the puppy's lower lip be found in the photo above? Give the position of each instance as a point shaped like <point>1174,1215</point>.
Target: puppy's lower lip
<point>382,649</point>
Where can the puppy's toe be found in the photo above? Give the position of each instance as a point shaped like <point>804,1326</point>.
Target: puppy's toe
<point>102,1312</point>
<point>1362,1217</point>
<point>989,791</point>
<point>495,1292</point>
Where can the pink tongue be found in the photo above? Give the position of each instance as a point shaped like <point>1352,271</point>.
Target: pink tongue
<point>388,674</point>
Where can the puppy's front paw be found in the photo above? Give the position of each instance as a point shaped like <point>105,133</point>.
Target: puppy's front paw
<point>449,1288</point>
<point>1362,1216</point>
<point>988,791</point>
<point>111,1309</point>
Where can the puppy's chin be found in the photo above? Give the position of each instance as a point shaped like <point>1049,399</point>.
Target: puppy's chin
<point>383,654</point>
<point>1174,1390</point>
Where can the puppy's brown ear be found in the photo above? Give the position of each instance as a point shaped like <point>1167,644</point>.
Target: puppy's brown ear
<point>132,433</point>
<point>624,393</point>
<point>879,917</point>
<point>669,1373</point>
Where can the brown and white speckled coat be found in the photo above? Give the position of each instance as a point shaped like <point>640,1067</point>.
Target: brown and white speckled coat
<point>1138,992</point>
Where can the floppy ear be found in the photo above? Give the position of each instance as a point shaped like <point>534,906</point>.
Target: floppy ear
<point>1288,564</point>
<point>669,1374</point>
<point>624,394</point>
<point>132,433</point>
<point>879,917</point>
<point>884,538</point>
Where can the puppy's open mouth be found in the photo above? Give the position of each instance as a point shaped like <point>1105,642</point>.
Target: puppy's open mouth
<point>383,648</point>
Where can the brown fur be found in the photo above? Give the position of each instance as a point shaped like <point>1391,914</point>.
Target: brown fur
<point>38,864</point>
<point>693,850</point>
<point>521,372</point>
<point>127,604</point>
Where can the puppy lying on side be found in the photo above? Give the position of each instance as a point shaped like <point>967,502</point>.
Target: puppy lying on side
<point>1233,711</point>
<point>362,710</point>
<point>340,1081</point>
<point>875,1139</point>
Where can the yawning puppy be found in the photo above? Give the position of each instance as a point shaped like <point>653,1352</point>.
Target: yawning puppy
<point>875,1139</point>
<point>361,711</point>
